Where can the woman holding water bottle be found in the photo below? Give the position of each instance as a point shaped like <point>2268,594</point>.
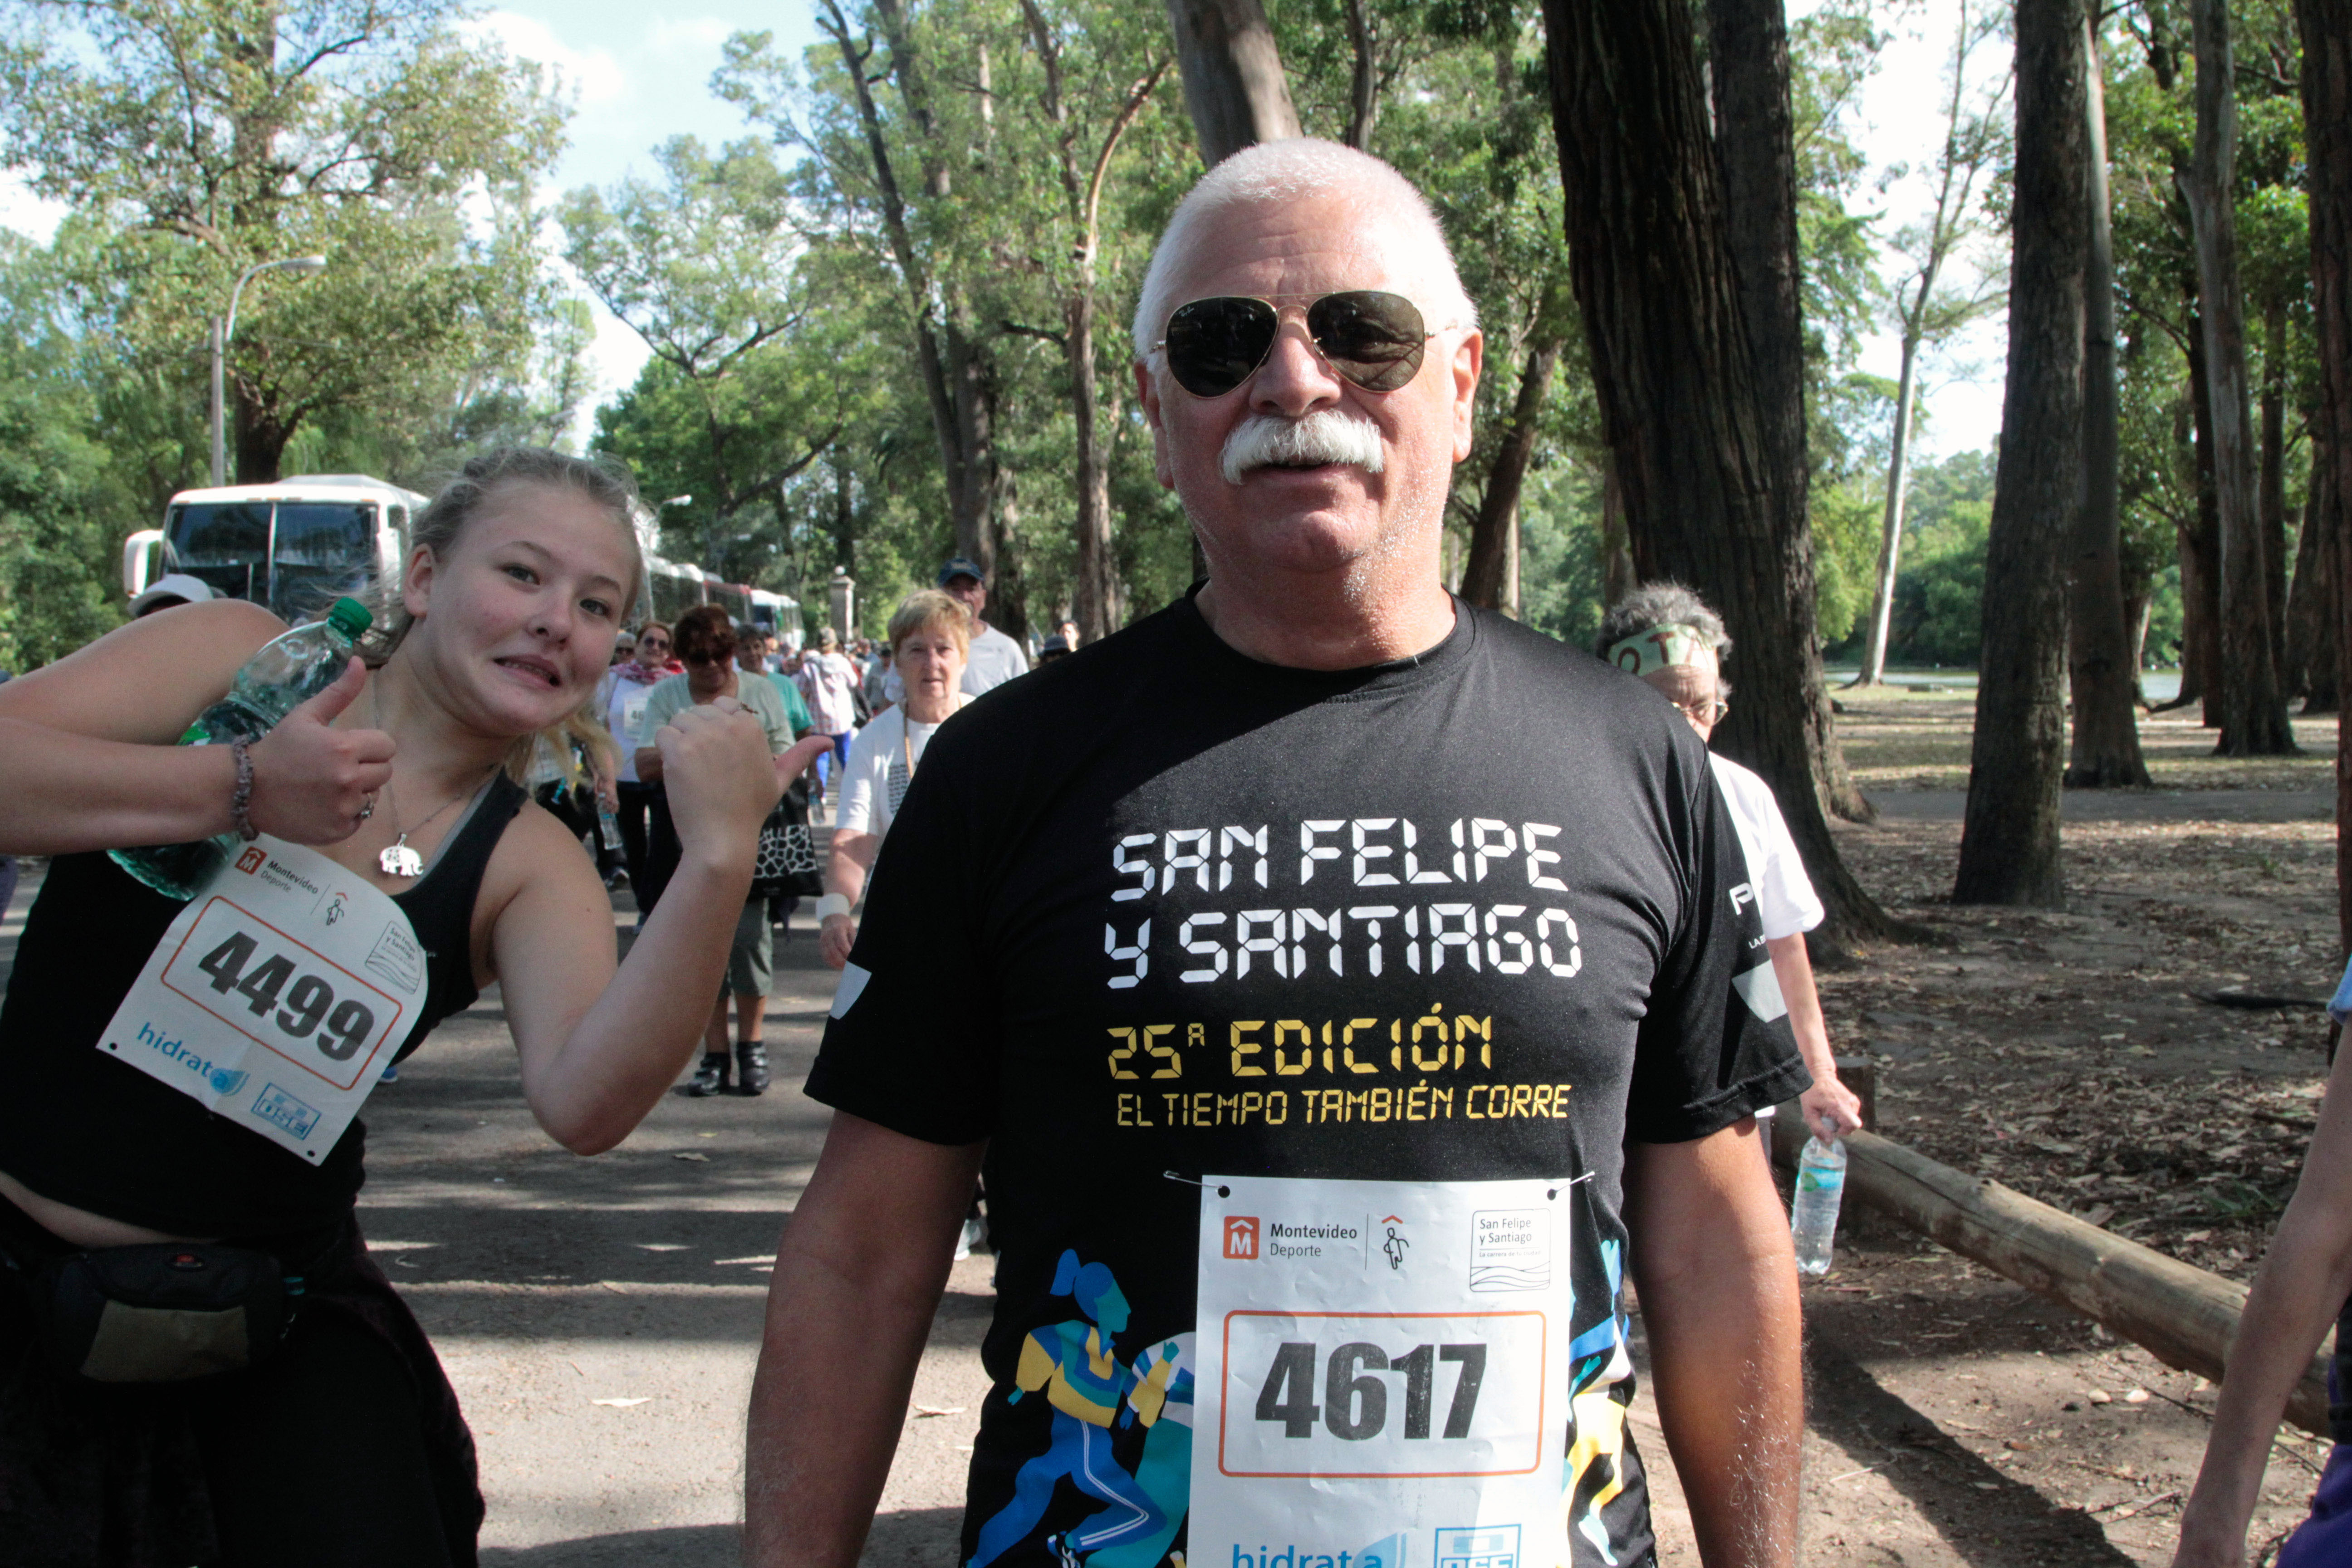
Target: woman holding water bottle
<point>198,1361</point>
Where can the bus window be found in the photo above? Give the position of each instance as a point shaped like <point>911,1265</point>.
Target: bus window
<point>735,599</point>
<point>224,544</point>
<point>674,595</point>
<point>324,550</point>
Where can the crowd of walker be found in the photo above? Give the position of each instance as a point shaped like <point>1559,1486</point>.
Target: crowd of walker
<point>1337,967</point>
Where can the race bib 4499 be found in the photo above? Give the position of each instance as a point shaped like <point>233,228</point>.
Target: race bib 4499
<point>276,995</point>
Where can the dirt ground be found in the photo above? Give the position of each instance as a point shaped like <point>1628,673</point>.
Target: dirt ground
<point>1955,1417</point>
<point>599,1316</point>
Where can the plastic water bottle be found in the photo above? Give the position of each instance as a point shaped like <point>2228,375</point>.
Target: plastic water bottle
<point>1812,1217</point>
<point>280,677</point>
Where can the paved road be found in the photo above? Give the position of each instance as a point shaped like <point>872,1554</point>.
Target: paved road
<point>551,1282</point>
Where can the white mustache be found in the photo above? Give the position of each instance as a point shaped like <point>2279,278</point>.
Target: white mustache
<point>1326,436</point>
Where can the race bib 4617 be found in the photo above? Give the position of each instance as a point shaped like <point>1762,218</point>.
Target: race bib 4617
<point>1384,1373</point>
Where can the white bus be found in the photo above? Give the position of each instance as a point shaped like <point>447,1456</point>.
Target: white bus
<point>296,545</point>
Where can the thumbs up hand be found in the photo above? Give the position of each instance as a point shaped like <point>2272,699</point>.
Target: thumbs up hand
<point>310,780</point>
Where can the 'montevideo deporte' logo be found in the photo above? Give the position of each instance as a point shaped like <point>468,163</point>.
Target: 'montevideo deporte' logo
<point>250,860</point>
<point>1249,1237</point>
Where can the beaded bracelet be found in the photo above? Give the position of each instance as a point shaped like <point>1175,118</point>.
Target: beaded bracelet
<point>241,798</point>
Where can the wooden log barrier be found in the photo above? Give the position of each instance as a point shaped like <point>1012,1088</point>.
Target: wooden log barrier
<point>2181,1315</point>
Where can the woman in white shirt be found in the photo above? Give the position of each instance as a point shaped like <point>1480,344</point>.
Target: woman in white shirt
<point>930,636</point>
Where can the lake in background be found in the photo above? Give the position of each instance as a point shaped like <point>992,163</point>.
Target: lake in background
<point>2155,685</point>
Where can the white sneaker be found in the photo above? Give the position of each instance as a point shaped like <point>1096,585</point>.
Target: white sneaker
<point>973,1234</point>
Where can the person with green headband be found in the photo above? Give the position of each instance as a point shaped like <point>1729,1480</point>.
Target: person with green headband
<point>1665,635</point>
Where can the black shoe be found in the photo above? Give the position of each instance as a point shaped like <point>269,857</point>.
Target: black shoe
<point>710,1077</point>
<point>751,1066</point>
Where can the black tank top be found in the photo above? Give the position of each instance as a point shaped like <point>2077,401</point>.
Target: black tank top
<point>81,1127</point>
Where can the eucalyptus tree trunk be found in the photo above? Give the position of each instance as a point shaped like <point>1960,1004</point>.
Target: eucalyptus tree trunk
<point>1890,521</point>
<point>2326,30</point>
<point>2009,840</point>
<point>1233,86</point>
<point>1755,145</point>
<point>958,384</point>
<point>1235,91</point>
<point>1490,563</point>
<point>2254,711</point>
<point>1675,372</point>
<point>2103,669</point>
<point>1364,83</point>
<point>1099,594</point>
<point>1964,155</point>
<point>2138,600</point>
<point>2311,602</point>
<point>2269,482</point>
<point>2200,549</point>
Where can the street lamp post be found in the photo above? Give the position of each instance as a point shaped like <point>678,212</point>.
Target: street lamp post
<point>301,266</point>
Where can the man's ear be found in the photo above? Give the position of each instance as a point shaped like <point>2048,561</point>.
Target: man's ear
<point>1146,395</point>
<point>1469,360</point>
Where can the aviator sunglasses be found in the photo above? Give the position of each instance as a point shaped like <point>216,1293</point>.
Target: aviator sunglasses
<point>1373,339</point>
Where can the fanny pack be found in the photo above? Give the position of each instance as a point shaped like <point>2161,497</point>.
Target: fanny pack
<point>161,1311</point>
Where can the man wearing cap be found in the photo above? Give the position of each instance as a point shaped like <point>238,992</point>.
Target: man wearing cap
<point>995,658</point>
<point>1326,1098</point>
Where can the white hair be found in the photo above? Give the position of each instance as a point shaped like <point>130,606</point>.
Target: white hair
<point>1293,170</point>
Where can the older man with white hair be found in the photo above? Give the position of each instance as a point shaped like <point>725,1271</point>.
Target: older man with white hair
<point>1344,989</point>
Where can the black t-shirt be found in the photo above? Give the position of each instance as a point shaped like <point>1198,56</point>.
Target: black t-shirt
<point>1162,909</point>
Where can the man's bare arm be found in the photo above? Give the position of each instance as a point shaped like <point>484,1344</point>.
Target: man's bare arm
<point>1717,1278</point>
<point>857,1278</point>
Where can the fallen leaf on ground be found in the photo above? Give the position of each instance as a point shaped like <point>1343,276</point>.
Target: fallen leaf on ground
<point>621,1403</point>
<point>923,1410</point>
<point>696,1156</point>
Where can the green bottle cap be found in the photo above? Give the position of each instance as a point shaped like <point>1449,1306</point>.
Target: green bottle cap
<point>349,617</point>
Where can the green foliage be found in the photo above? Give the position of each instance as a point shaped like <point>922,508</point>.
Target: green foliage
<point>204,137</point>
<point>993,185</point>
<point>1937,616</point>
<point>746,388</point>
<point>1846,524</point>
<point>2151,122</point>
<point>53,551</point>
<point>787,391</point>
<point>1561,584</point>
